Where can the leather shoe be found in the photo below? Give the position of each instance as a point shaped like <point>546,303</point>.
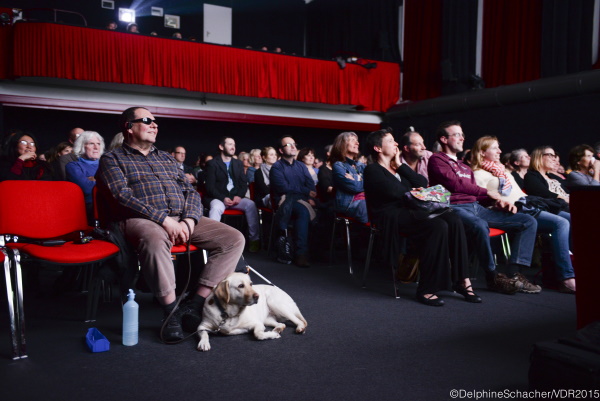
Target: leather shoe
<point>467,292</point>
<point>429,300</point>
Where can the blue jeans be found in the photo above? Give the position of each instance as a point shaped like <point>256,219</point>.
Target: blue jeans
<point>301,218</point>
<point>358,210</point>
<point>559,228</point>
<point>477,221</point>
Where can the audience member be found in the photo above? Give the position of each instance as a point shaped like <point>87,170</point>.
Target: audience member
<point>58,166</point>
<point>597,150</point>
<point>537,181</point>
<point>490,174</point>
<point>116,142</point>
<point>61,149</point>
<point>200,168</point>
<point>255,158</point>
<point>111,26</point>
<point>307,156</point>
<point>262,191</point>
<point>292,187</point>
<point>325,181</point>
<point>446,169</point>
<point>226,185</point>
<point>179,153</point>
<point>520,160</point>
<point>585,169</point>
<point>441,240</point>
<point>317,164</point>
<point>21,160</point>
<point>557,172</point>
<point>414,153</point>
<point>161,210</point>
<point>177,35</point>
<point>249,170</point>
<point>348,177</point>
<point>505,160</point>
<point>132,28</point>
<point>89,146</point>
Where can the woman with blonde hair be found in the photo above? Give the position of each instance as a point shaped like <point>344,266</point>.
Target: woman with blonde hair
<point>490,174</point>
<point>537,181</point>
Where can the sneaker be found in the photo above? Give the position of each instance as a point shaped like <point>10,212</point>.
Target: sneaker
<point>504,285</point>
<point>190,315</point>
<point>172,331</point>
<point>254,246</point>
<point>527,286</point>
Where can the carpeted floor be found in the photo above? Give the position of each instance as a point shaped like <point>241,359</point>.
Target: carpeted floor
<point>361,344</point>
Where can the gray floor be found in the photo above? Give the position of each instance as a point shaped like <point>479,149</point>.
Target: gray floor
<point>361,344</point>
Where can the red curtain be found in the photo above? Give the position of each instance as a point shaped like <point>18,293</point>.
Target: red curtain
<point>512,41</point>
<point>422,49</point>
<point>58,51</point>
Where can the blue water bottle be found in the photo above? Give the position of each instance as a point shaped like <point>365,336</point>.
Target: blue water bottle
<point>130,320</point>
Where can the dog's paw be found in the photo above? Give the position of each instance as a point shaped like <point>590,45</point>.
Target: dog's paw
<point>203,346</point>
<point>268,335</point>
<point>279,328</point>
<point>301,329</point>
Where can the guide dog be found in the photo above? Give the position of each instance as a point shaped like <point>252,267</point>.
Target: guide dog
<point>235,306</point>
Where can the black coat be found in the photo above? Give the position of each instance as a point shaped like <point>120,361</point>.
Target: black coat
<point>216,180</point>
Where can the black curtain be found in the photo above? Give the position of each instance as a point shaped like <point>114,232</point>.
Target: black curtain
<point>458,45</point>
<point>362,28</point>
<point>566,36</point>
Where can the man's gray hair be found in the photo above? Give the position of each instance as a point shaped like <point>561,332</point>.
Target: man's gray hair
<point>79,145</point>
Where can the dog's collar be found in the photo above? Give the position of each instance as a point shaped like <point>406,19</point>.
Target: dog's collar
<point>224,315</point>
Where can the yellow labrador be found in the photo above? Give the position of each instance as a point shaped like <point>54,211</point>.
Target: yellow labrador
<point>236,306</point>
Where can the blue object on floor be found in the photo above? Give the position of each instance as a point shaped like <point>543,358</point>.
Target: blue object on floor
<point>96,340</point>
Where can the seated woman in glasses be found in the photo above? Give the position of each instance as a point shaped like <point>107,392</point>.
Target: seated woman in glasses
<point>348,177</point>
<point>21,162</point>
<point>441,241</point>
<point>538,183</point>
<point>89,146</point>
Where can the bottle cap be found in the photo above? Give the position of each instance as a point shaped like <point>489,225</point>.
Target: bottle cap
<point>131,295</point>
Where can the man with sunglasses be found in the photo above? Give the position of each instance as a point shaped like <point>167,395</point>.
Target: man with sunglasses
<point>156,208</point>
<point>291,179</point>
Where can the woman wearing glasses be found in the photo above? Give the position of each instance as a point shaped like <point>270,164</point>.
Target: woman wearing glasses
<point>537,181</point>
<point>21,160</point>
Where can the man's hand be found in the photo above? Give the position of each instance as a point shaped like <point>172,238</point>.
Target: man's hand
<point>312,194</point>
<point>506,206</point>
<point>185,233</point>
<point>349,176</point>
<point>228,202</point>
<point>191,178</point>
<point>173,229</point>
<point>236,200</point>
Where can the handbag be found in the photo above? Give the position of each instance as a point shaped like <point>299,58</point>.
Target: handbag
<point>429,202</point>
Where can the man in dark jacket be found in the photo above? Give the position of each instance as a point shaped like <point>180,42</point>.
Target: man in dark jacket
<point>226,185</point>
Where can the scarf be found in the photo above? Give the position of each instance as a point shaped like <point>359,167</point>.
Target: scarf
<point>266,168</point>
<point>498,170</point>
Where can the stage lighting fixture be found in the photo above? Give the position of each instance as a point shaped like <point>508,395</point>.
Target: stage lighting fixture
<point>126,15</point>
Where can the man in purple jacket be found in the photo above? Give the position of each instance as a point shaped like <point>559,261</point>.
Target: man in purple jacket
<point>446,169</point>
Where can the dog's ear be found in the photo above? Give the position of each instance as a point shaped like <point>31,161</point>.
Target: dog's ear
<point>222,291</point>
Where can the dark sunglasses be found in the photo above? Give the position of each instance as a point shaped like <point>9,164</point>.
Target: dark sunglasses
<point>145,120</point>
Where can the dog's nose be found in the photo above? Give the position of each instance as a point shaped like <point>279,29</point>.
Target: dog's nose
<point>255,296</point>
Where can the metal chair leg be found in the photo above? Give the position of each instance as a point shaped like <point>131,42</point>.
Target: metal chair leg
<point>15,302</point>
<point>348,246</point>
<point>368,261</point>
<point>335,220</point>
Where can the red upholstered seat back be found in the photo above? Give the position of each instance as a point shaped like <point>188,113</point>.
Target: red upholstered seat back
<point>41,209</point>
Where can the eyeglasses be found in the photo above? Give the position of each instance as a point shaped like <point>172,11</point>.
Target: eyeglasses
<point>290,145</point>
<point>457,135</point>
<point>550,155</point>
<point>145,120</point>
<point>24,143</point>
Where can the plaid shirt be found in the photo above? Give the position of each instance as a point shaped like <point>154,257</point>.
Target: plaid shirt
<point>151,187</point>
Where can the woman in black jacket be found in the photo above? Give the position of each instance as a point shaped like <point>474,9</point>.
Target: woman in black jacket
<point>441,240</point>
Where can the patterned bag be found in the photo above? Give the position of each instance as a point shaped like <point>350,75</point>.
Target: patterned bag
<point>429,202</point>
